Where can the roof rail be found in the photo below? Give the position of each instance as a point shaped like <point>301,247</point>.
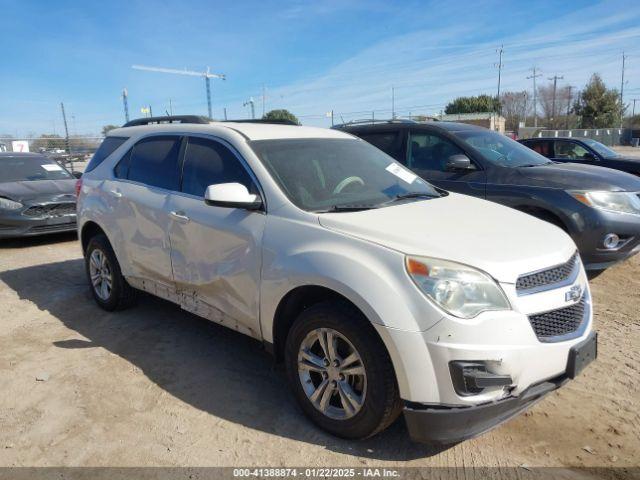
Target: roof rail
<point>369,121</point>
<point>167,119</point>
<point>275,121</point>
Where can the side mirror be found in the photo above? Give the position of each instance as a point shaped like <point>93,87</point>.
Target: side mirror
<point>459,162</point>
<point>76,174</point>
<point>231,195</point>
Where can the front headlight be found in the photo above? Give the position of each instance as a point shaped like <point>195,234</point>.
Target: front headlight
<point>6,204</point>
<point>619,202</point>
<point>458,289</point>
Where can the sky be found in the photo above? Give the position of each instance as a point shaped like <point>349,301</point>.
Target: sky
<point>310,57</point>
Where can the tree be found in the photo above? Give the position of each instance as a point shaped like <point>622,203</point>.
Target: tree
<point>515,108</point>
<point>48,142</point>
<point>479,104</point>
<point>107,128</point>
<point>281,115</point>
<point>598,105</point>
<point>558,112</point>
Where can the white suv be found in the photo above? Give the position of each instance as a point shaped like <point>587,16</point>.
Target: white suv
<point>380,292</point>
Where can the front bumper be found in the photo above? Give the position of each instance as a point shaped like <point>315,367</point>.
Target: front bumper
<point>441,424</point>
<point>593,225</point>
<point>17,225</point>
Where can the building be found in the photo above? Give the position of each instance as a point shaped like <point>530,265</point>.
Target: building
<point>489,120</point>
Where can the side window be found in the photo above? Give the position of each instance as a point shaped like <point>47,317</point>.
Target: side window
<point>543,147</point>
<point>106,148</point>
<point>428,151</point>
<point>389,142</point>
<point>570,150</point>
<point>122,168</point>
<point>154,162</point>
<point>207,162</point>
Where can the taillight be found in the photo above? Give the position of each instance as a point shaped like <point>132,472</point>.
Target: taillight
<point>78,187</point>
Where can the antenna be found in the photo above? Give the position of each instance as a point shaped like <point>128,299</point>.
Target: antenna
<point>207,75</point>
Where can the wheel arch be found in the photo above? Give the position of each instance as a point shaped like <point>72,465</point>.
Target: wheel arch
<point>545,214</point>
<point>89,230</point>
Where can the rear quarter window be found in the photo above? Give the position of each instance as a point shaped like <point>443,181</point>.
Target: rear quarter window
<point>106,148</point>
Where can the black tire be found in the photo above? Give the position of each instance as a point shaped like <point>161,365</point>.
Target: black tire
<point>122,295</point>
<point>382,404</point>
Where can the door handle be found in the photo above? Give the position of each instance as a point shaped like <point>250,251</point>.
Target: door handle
<point>179,216</point>
<point>116,193</point>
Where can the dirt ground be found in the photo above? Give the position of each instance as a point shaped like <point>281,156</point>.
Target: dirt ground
<point>157,386</point>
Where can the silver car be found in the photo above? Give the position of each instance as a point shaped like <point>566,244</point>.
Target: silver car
<point>381,293</point>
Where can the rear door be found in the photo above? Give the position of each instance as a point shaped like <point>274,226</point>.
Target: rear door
<point>145,177</point>
<point>215,251</point>
<point>391,142</point>
<point>427,153</point>
<point>543,147</point>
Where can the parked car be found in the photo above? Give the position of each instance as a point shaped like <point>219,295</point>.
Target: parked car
<point>37,196</point>
<point>584,151</point>
<point>598,207</point>
<point>380,292</point>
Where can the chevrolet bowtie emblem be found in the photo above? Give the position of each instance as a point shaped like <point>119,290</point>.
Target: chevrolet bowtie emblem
<point>574,294</point>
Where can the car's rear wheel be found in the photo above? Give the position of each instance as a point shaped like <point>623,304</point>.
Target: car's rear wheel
<point>109,288</point>
<point>340,371</point>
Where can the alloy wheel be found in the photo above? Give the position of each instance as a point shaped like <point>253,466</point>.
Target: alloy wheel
<point>100,273</point>
<point>332,373</point>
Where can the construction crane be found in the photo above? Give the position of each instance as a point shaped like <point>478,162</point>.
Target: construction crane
<point>207,77</point>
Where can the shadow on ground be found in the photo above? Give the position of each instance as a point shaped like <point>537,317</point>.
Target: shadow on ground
<point>26,242</point>
<point>210,367</point>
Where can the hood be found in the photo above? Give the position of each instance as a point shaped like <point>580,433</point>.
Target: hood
<point>573,176</point>
<point>39,191</point>
<point>498,240</point>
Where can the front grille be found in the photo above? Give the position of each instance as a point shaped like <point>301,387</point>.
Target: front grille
<point>562,321</point>
<point>51,210</point>
<point>53,228</point>
<point>550,276</point>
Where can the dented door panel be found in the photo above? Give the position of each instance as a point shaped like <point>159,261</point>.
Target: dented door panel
<point>216,261</point>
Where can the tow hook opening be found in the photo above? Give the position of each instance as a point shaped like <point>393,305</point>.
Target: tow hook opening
<point>472,378</point>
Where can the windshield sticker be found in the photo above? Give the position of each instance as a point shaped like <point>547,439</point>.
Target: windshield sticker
<point>401,173</point>
<point>49,167</point>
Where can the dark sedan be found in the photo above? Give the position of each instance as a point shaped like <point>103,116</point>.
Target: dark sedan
<point>599,207</point>
<point>37,196</point>
<point>584,151</point>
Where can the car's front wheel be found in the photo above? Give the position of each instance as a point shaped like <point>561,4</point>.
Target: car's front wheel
<point>340,371</point>
<point>109,288</point>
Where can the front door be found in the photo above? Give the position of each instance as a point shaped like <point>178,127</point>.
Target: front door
<point>569,151</point>
<point>215,251</point>
<point>427,153</point>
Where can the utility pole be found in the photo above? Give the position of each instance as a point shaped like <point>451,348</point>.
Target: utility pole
<point>225,113</point>
<point>170,108</point>
<point>622,91</point>
<point>555,79</point>
<point>263,97</point>
<point>66,129</point>
<point>125,103</point>
<point>535,96</point>
<point>252,104</point>
<point>569,88</point>
<point>393,103</point>
<point>633,113</point>
<point>500,50</point>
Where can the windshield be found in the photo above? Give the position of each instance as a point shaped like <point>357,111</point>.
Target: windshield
<point>501,150</point>
<point>27,168</point>
<point>603,150</point>
<point>326,174</point>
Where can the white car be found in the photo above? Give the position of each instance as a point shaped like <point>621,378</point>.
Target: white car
<point>380,292</point>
